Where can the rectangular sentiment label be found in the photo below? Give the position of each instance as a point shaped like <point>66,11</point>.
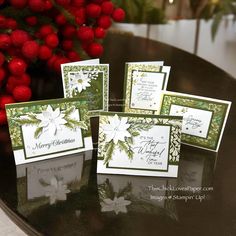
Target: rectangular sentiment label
<point>196,122</point>
<point>151,150</point>
<point>54,141</point>
<point>145,87</point>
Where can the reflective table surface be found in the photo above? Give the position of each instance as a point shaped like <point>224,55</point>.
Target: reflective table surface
<point>64,196</point>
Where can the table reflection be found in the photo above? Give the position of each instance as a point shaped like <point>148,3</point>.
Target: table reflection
<point>51,181</point>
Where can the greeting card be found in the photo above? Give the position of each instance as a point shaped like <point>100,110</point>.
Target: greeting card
<point>46,129</point>
<point>133,144</point>
<point>89,83</point>
<point>143,86</point>
<point>204,118</point>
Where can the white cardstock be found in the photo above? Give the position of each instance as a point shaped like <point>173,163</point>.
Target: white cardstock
<point>196,122</point>
<point>150,149</point>
<point>145,89</point>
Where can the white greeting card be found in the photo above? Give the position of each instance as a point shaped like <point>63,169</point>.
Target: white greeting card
<point>143,86</point>
<point>139,145</point>
<point>88,82</point>
<point>204,118</point>
<point>46,129</point>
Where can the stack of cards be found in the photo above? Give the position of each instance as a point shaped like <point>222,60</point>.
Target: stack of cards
<point>144,140</point>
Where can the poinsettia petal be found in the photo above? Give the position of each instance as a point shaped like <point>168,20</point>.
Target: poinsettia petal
<point>56,113</point>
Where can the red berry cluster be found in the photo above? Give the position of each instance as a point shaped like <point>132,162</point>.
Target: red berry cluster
<point>53,31</point>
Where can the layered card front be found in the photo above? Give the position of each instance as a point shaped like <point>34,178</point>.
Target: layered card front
<point>133,144</point>
<point>46,129</point>
<point>204,118</point>
<point>143,86</point>
<point>89,83</point>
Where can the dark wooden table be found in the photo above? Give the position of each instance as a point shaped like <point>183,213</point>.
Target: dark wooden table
<point>214,173</point>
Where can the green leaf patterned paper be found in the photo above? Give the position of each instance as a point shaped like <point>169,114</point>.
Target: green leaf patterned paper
<point>49,128</point>
<point>89,83</point>
<point>204,118</point>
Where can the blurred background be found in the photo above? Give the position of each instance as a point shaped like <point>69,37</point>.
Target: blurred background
<point>205,28</point>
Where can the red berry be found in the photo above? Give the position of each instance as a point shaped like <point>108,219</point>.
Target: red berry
<point>45,30</point>
<point>68,31</point>
<point>44,52</point>
<point>31,20</point>
<point>93,10</point>
<point>80,17</point>
<point>5,41</point>
<point>19,37</point>
<point>95,50</point>
<point>36,5</point>
<point>7,99</point>
<point>2,59</point>
<point>14,81</point>
<point>51,61</point>
<point>2,74</point>
<point>99,32</point>
<point>52,40</point>
<point>22,93</point>
<point>47,5</point>
<point>57,63</point>
<point>104,21</point>
<point>30,49</point>
<point>60,19</point>
<point>107,8</point>
<point>18,3</point>
<point>73,56</point>
<point>67,44</point>
<point>11,24</point>
<point>2,21</point>
<point>78,3</point>
<point>85,33</point>
<point>63,2</point>
<point>17,66</point>
<point>3,117</point>
<point>118,15</point>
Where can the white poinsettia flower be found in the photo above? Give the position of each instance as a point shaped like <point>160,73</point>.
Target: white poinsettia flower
<point>116,129</point>
<point>51,120</point>
<point>117,205</point>
<point>79,81</point>
<point>56,191</point>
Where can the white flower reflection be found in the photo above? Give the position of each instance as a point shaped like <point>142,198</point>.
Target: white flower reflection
<point>51,121</point>
<point>56,191</point>
<point>117,205</point>
<point>116,129</point>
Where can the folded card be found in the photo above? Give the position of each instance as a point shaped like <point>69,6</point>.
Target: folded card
<point>87,82</point>
<point>46,129</point>
<point>204,118</point>
<point>133,144</point>
<point>143,86</point>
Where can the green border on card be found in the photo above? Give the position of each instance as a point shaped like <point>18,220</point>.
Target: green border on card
<point>161,120</point>
<point>128,83</point>
<point>105,81</point>
<point>19,109</point>
<point>219,111</point>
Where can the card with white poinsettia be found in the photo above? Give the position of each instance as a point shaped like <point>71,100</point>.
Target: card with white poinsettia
<point>143,86</point>
<point>89,83</point>
<point>133,144</point>
<point>46,129</point>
